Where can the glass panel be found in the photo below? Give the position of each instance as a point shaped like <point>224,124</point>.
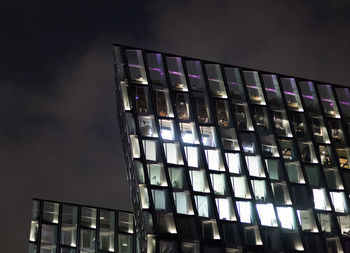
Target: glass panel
<point>130,123</point>
<point>209,138</point>
<point>46,248</point>
<point>176,73</point>
<point>156,69</point>
<point>343,95</point>
<point>166,223</point>
<point>273,91</point>
<point>222,113</point>
<point>151,149</point>
<point>136,66</point>
<point>32,248</point>
<point>88,217</point>
<point>199,181</point>
<point>328,101</point>
<point>320,199</point>
<point>249,144</point>
<point>50,212</point>
<point>156,174</point>
<point>189,133</point>
<point>307,220</point>
<point>48,233</point>
<point>267,215</point>
<point>274,169</point>
<point>173,153</point>
<point>333,179</point>
<point>344,224</point>
<point>188,247</point>
<point>162,102</point>
<point>216,82</point>
<point>294,172</point>
<point>288,150</point>
<point>260,190</point>
<point>245,211</point>
<point>281,123</point>
<point>310,98</point>
<point>300,126</point>
<point>69,225</point>
<point>125,222</point>
<point>188,227</point>
<point>326,222</point>
<point>234,162</point>
<point>193,156</point>
<point>167,246</point>
<point>281,193</point>
<point>202,106</point>
<point>195,75</point>
<point>177,178</point>
<point>229,139</point>
<point>182,106</point>
<point>107,230</point>
<point>167,129</point>
<point>148,126</point>
<point>339,202</point>
<point>307,151</point>
<point>231,234</point>
<point>135,147</point>
<point>214,159</point>
<point>254,87</point>
<point>34,221</point>
<point>240,187</point>
<point>242,116</point>
<point>218,182</point>
<point>183,203</point>
<point>300,194</point>
<point>291,94</point>
<point>204,206</point>
<point>255,166</point>
<point>125,243</point>
<point>252,235</point>
<point>87,240</point>
<point>161,200</point>
<point>210,230</point>
<point>286,217</point>
<point>143,102</point>
<point>144,196</point>
<point>336,132</point>
<point>344,157</point>
<point>225,209</point>
<point>326,155</point>
<point>319,129</point>
<point>313,175</point>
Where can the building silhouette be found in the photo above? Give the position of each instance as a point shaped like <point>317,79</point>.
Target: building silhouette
<point>222,158</point>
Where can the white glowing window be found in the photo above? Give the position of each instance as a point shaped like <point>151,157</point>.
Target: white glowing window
<point>320,199</point>
<point>188,133</point>
<point>214,159</point>
<point>244,210</point>
<point>199,181</point>
<point>240,187</point>
<point>173,153</point>
<point>338,200</point>
<point>344,223</point>
<point>267,215</point>
<point>191,156</point>
<point>167,129</point>
<point>233,161</point>
<point>219,184</point>
<point>286,217</point>
<point>202,203</point>
<point>307,221</point>
<point>225,209</point>
<point>144,196</point>
<point>135,148</point>
<point>156,174</point>
<point>255,166</point>
<point>150,149</point>
<point>208,136</point>
<point>259,188</point>
<point>183,202</point>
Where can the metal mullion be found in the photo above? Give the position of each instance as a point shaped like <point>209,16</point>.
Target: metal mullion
<point>116,238</point>
<point>78,229</point>
<point>178,134</point>
<point>161,145</point>
<point>257,137</point>
<point>142,158</point>
<point>97,231</point>
<point>40,220</point>
<point>202,153</point>
<point>222,150</point>
<point>318,224</point>
<point>59,225</point>
<point>275,136</point>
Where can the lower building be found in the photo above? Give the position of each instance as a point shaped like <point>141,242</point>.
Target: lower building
<point>58,227</point>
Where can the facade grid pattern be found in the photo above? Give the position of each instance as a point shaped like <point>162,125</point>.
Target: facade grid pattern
<point>228,159</point>
<point>58,227</point>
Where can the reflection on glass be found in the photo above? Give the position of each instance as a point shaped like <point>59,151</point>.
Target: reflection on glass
<point>176,73</point>
<point>148,126</point>
<point>167,129</point>
<point>328,101</point>
<point>69,225</point>
<point>88,217</point>
<point>291,94</point>
<point>34,221</point>
<point>189,133</point>
<point>181,102</point>
<point>307,220</point>
<point>156,69</point>
<point>201,104</point>
<point>195,75</point>
<point>252,80</point>
<point>343,95</point>
<point>162,103</point>
<point>125,222</point>
<point>216,82</point>
<point>333,179</point>
<point>229,139</point>
<point>106,233</point>
<point>294,172</point>
<point>136,66</point>
<point>50,211</point>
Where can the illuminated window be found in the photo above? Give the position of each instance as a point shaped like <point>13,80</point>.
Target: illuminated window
<point>267,215</point>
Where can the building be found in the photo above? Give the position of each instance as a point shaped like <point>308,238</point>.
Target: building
<point>70,228</point>
<point>228,159</point>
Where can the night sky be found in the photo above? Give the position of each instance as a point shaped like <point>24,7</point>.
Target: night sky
<point>59,136</point>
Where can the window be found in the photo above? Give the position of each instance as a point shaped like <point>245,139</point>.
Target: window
<point>69,225</point>
<point>144,199</point>
<point>336,132</point>
<point>173,153</point>
<point>300,126</point>
<point>339,201</point>
<point>255,166</point>
<point>229,138</point>
<point>143,102</point>
<point>148,126</point>
<point>281,193</point>
<point>328,101</point>
<point>125,222</point>
<point>344,223</point>
<point>189,247</point>
<point>294,172</point>
<point>260,190</point>
<point>135,147</point>
<point>195,75</point>
<point>88,217</point>
<point>35,221</point>
<point>203,205</point>
<point>286,217</point>
<point>274,169</point>
<point>288,149</point>
<point>319,129</point>
<point>343,95</point>
<point>193,156</point>
<point>151,149</point>
<point>216,82</point>
<point>320,199</point>
<point>177,178</point>
<point>291,94</point>
<point>267,215</point>
<point>307,220</point>
<point>189,133</point>
<point>214,159</point>
<point>313,174</point>
<point>333,179</point>
<point>208,136</point>
<point>176,73</point>
<point>107,228</point>
<point>225,209</point>
<point>162,103</point>
<point>156,69</point>
<point>240,187</point>
<point>156,174</point>
<point>199,181</point>
<point>167,129</point>
<point>183,202</point>
<point>136,66</point>
<point>210,230</point>
<point>234,162</point>
<point>344,157</point>
<point>50,211</point>
<point>242,116</point>
<point>244,209</point>
<point>326,155</point>
<point>252,80</point>
<point>161,200</point>
<point>310,98</point>
<point>125,243</point>
<point>48,233</point>
<point>218,182</point>
<point>182,105</point>
<point>222,113</point>
<point>87,240</point>
<point>249,144</point>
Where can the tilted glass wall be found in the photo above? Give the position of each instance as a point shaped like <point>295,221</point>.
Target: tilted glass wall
<point>228,159</point>
<point>70,228</point>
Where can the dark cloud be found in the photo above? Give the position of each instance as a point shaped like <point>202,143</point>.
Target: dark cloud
<point>58,133</point>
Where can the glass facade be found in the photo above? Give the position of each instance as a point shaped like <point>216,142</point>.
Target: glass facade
<point>228,159</point>
<point>70,228</point>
